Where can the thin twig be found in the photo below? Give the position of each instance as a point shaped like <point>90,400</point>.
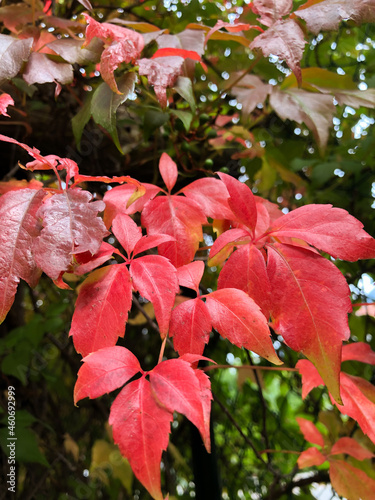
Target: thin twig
<point>249,367</point>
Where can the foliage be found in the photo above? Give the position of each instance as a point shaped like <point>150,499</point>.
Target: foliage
<point>230,283</point>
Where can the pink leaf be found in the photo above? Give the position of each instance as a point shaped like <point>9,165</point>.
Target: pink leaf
<point>314,109</point>
<point>272,10</point>
<point>251,91</point>
<point>327,15</point>
<point>190,275</point>
<point>101,311</point>
<point>70,226</point>
<point>18,229</point>
<point>168,171</point>
<point>13,53</point>
<point>126,231</point>
<point>310,303</point>
<point>104,371</point>
<point>284,39</point>
<point>41,69</point>
<point>161,73</point>
<point>177,387</point>
<point>190,327</point>
<point>154,277</point>
<point>310,457</point>
<point>351,447</point>
<point>238,318</point>
<point>110,32</point>
<point>232,28</point>
<point>329,229</point>
<point>241,201</point>
<point>358,351</point>
<point>5,101</point>
<point>310,432</point>
<point>246,270</point>
<point>141,429</point>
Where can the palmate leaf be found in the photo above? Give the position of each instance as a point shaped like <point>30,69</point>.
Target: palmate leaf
<point>310,303</point>
<point>19,226</point>
<point>101,311</point>
<point>272,10</point>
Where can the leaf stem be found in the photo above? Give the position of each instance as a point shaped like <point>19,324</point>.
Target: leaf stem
<point>162,349</point>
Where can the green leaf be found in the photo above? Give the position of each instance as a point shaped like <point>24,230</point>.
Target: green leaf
<point>184,116</point>
<point>80,120</point>
<point>104,104</point>
<point>26,445</point>
<point>184,87</point>
<point>152,120</point>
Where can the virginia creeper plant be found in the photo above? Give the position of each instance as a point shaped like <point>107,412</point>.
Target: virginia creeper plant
<point>131,242</point>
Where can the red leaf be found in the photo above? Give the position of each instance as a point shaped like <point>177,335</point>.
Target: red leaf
<point>190,327</point>
<point>41,69</point>
<point>310,457</point>
<point>358,398</point>
<point>70,226</point>
<point>15,185</point>
<point>141,429</point>
<point>284,39</point>
<point>351,482</point>
<point>358,351</point>
<point>111,32</point>
<point>87,262</point>
<point>154,277</point>
<point>116,201</point>
<point>168,171</point>
<point>271,10</point>
<point>329,229</point>
<point>102,306</point>
<point>126,231</point>
<point>5,101</point>
<point>310,432</point>
<point>238,318</point>
<point>327,15</point>
<point>232,28</point>
<point>310,376</point>
<point>190,275</point>
<point>18,228</point>
<point>225,243</point>
<point>246,270</point>
<point>161,73</point>
<point>147,242</point>
<point>351,447</point>
<point>241,201</point>
<point>179,217</point>
<point>211,195</point>
<point>177,387</point>
<point>104,371</point>
<point>310,303</point>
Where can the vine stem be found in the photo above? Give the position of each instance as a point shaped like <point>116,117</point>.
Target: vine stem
<point>249,367</point>
<point>162,349</point>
